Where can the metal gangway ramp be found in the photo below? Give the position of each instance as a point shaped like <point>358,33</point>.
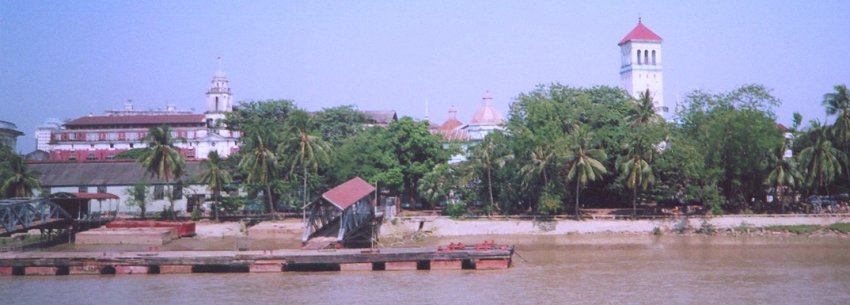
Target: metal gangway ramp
<point>23,214</point>
<point>344,215</point>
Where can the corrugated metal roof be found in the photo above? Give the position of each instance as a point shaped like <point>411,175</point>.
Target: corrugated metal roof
<point>53,174</point>
<point>348,193</point>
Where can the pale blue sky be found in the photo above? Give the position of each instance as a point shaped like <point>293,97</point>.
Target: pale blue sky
<point>66,59</point>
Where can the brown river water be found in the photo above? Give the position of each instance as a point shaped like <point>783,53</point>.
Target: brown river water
<point>567,269</point>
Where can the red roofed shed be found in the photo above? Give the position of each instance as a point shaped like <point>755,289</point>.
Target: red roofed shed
<point>348,193</point>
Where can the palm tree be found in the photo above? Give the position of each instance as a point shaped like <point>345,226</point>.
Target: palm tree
<point>301,148</point>
<point>838,103</point>
<point>783,173</point>
<point>821,161</point>
<point>259,161</point>
<point>215,176</point>
<point>638,175</point>
<point>161,158</point>
<point>437,185</point>
<point>583,163</point>
<point>644,112</point>
<point>20,182</point>
<point>483,158</point>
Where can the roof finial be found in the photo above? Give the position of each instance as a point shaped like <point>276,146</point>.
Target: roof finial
<point>639,21</point>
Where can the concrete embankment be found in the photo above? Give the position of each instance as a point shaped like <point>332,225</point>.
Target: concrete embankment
<point>444,226</point>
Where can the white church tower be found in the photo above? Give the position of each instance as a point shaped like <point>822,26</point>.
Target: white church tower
<point>219,98</point>
<point>641,64</point>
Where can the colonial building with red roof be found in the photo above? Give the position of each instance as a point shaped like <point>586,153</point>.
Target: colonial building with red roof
<point>641,64</point>
<point>101,137</point>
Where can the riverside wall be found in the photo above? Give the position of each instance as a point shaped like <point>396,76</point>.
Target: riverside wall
<point>444,226</point>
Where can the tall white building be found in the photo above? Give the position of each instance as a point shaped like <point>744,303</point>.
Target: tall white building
<point>43,132</point>
<point>641,64</point>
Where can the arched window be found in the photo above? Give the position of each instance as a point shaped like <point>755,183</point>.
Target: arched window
<point>638,55</point>
<point>216,103</point>
<point>653,57</point>
<point>646,57</point>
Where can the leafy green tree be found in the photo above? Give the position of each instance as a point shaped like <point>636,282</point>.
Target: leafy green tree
<point>259,160</point>
<point>302,150</point>
<point>822,162</point>
<point>370,156</point>
<point>540,123</point>
<point>161,158</point>
<point>137,195</point>
<point>19,181</point>
<point>416,150</point>
<point>339,123</point>
<point>583,162</point>
<point>736,132</point>
<point>215,176</point>
<point>267,113</point>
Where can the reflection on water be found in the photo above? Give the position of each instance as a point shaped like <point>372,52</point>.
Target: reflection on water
<point>547,269</point>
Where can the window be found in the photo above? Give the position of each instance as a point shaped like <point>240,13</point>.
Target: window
<point>646,57</point>
<point>72,157</point>
<point>101,189</point>
<point>638,55</point>
<point>131,145</point>
<point>158,192</point>
<point>177,192</point>
<point>653,57</point>
<point>83,189</point>
<point>91,156</point>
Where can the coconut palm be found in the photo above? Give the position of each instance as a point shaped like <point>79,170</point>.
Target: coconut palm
<point>783,173</point>
<point>259,161</point>
<point>20,181</point>
<point>483,158</point>
<point>215,176</point>
<point>821,161</point>
<point>161,158</point>
<point>302,149</point>
<point>644,112</point>
<point>583,165</point>
<point>637,174</point>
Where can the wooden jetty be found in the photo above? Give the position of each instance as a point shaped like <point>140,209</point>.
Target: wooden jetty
<point>455,257</point>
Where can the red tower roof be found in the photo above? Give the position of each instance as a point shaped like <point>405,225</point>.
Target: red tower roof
<point>640,33</point>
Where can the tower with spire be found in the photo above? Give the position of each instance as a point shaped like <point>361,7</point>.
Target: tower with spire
<point>641,64</point>
<point>219,98</point>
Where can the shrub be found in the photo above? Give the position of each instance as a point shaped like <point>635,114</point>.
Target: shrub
<point>549,203</point>
<point>796,229</point>
<point>196,214</point>
<point>842,227</point>
<point>456,210</point>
